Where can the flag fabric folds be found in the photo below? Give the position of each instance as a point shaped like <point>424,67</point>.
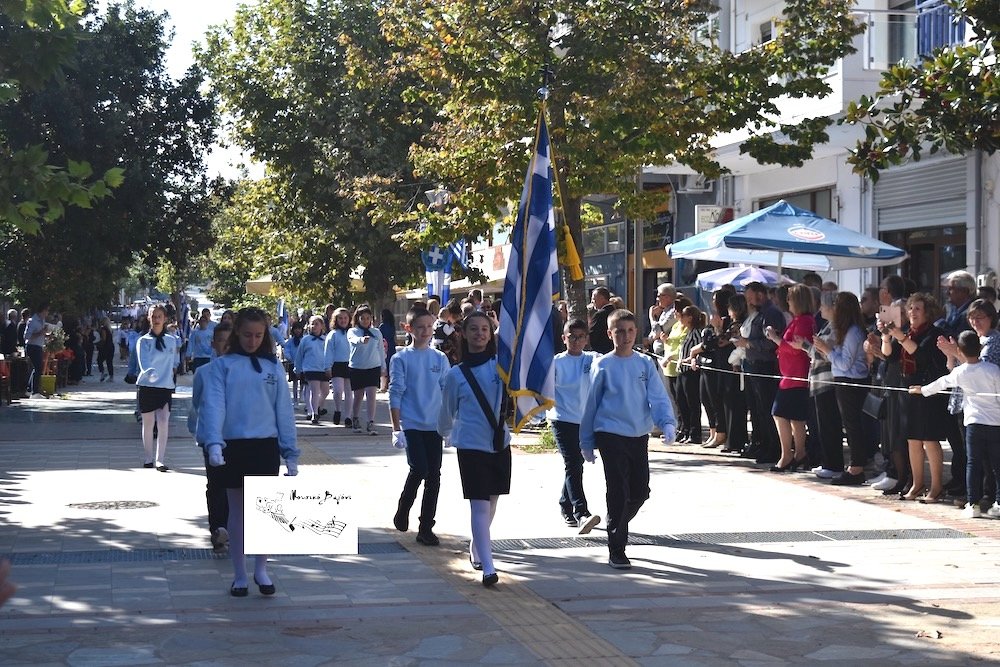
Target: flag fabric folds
<point>525,348</point>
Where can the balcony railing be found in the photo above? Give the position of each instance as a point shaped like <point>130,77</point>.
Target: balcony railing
<point>897,34</point>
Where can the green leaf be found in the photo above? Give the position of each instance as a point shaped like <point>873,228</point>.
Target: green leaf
<point>79,170</point>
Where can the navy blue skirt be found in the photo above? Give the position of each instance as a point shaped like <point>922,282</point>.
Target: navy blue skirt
<point>792,404</point>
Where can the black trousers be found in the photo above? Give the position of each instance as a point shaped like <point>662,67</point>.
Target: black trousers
<point>34,353</point>
<point>959,458</point>
<point>760,393</point>
<point>673,388</point>
<point>215,493</point>
<point>423,453</point>
<point>736,412</point>
<point>689,402</point>
<point>572,499</point>
<point>712,399</point>
<point>626,475</point>
<point>830,430</point>
<point>850,400</point>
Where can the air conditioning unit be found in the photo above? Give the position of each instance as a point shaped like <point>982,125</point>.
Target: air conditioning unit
<point>695,184</point>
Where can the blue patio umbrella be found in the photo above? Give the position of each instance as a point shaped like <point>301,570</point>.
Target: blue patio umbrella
<point>786,236</point>
<point>739,276</point>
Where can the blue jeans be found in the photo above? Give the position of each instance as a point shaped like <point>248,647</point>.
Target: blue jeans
<point>572,499</point>
<point>982,443</point>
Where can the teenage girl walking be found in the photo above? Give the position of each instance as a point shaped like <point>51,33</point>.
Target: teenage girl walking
<point>249,428</point>
<point>366,365</point>
<point>477,430</point>
<point>338,348</point>
<point>288,351</point>
<point>311,362</point>
<point>106,351</point>
<point>157,356</point>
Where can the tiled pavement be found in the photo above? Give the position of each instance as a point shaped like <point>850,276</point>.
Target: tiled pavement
<point>732,565</point>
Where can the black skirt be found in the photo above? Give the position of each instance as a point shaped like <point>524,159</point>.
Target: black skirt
<point>484,474</point>
<point>362,378</point>
<point>152,399</point>
<point>259,457</point>
<point>315,376</point>
<point>927,417</point>
<point>340,369</point>
<point>792,404</point>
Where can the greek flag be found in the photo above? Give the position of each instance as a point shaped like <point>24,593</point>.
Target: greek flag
<point>525,348</point>
<point>461,253</point>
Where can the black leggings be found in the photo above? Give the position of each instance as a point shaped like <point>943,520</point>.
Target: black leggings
<point>103,359</point>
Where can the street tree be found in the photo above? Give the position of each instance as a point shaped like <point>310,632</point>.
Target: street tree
<point>38,45</point>
<point>631,84</point>
<point>326,134</point>
<point>948,100</point>
<point>119,107</point>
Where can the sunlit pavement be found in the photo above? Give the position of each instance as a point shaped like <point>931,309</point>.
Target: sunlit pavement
<point>731,565</point>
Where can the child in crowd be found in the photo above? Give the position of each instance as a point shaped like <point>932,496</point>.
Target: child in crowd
<point>249,427</point>
<point>626,399</point>
<point>338,349</point>
<point>366,365</point>
<point>215,487</point>
<point>288,351</point>
<point>980,384</point>
<point>416,379</point>
<point>572,377</point>
<point>312,363</point>
<point>157,356</point>
<point>472,419</point>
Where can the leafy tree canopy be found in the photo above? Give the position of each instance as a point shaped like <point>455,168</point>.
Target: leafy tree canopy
<point>950,100</point>
<point>39,41</point>
<point>632,84</point>
<point>326,133</point>
<point>119,108</point>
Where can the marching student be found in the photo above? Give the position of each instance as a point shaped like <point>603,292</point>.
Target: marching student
<point>572,374</point>
<point>288,351</point>
<point>215,487</point>
<point>366,364</point>
<point>312,363</point>
<point>249,428</point>
<point>416,379</point>
<point>157,356</point>
<point>472,420</point>
<point>199,349</point>
<point>338,350</point>
<point>626,399</point>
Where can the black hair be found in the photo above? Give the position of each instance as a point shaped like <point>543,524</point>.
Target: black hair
<point>491,346</point>
<point>575,324</point>
<point>968,344</point>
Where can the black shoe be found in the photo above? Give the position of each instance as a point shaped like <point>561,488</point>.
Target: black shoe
<point>238,591</point>
<point>322,411</point>
<point>620,561</point>
<point>750,452</point>
<point>149,465</point>
<point>476,565</point>
<point>402,520</point>
<point>427,538</point>
<point>348,423</point>
<point>767,458</point>
<point>570,520</point>
<point>265,589</point>
<point>490,579</point>
<point>162,468</point>
<point>336,418</point>
<point>897,490</point>
<point>847,479</point>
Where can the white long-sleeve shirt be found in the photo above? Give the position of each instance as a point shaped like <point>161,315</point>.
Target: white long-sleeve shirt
<point>974,380</point>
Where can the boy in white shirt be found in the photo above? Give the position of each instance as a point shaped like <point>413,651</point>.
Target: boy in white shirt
<point>980,383</point>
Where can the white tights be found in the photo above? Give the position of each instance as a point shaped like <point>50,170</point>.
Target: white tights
<point>343,398</point>
<point>237,542</point>
<point>162,418</point>
<point>317,394</point>
<point>480,548</point>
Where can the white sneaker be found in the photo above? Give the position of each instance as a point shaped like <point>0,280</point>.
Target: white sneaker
<point>994,512</point>
<point>875,480</point>
<point>885,484</point>
<point>972,511</point>
<point>38,396</point>
<point>371,428</point>
<point>826,473</point>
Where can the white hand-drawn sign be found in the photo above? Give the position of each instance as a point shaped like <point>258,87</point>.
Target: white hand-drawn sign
<point>283,515</point>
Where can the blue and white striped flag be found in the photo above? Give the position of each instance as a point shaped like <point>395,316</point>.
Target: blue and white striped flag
<point>461,253</point>
<point>526,348</point>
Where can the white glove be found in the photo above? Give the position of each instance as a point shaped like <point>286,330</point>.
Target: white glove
<point>669,433</point>
<point>399,439</point>
<point>588,455</point>
<point>292,468</point>
<point>215,456</point>
<point>447,441</point>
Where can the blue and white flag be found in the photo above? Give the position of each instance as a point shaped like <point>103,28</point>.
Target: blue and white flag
<point>526,347</point>
<point>185,319</point>
<point>437,270</point>
<point>461,252</point>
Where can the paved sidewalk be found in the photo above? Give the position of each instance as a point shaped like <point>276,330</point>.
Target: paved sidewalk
<point>731,564</point>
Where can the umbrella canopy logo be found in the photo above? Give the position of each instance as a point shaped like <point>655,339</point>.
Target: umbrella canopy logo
<point>806,233</point>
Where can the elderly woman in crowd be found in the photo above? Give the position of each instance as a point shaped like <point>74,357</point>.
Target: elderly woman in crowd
<point>921,362</point>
